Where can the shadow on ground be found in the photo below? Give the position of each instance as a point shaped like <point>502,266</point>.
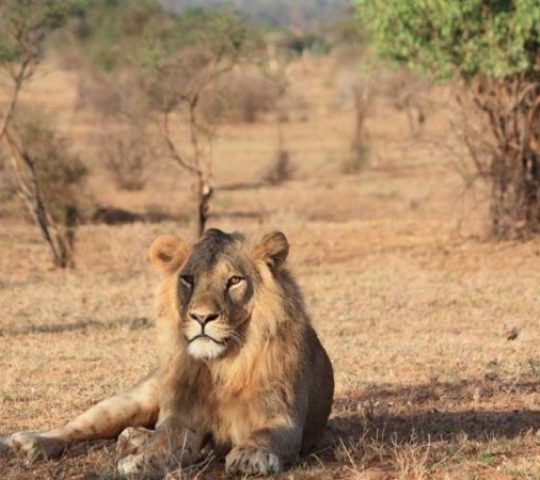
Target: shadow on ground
<point>434,412</point>
<point>131,323</point>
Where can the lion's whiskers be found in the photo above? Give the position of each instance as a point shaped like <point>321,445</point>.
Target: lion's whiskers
<point>236,337</point>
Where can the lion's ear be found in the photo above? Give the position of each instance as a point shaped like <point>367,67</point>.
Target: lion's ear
<point>168,252</point>
<point>273,249</point>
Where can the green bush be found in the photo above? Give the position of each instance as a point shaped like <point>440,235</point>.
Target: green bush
<point>495,38</point>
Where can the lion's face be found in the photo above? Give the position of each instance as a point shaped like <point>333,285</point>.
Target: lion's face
<point>215,284</point>
<point>215,287</point>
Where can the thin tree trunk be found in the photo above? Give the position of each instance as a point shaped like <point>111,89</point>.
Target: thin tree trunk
<point>203,208</point>
<point>18,80</point>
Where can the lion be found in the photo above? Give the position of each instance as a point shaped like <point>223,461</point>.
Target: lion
<point>240,366</point>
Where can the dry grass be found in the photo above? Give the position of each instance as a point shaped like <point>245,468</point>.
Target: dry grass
<point>414,311</point>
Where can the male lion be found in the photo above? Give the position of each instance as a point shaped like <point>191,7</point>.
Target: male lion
<point>240,365</point>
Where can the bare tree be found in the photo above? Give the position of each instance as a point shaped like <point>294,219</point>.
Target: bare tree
<point>178,84</point>
<point>175,61</point>
<point>25,24</point>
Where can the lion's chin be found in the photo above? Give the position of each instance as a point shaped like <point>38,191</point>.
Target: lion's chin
<point>205,348</point>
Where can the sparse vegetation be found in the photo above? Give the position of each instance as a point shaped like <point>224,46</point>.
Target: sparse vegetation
<point>431,327</point>
<point>128,156</point>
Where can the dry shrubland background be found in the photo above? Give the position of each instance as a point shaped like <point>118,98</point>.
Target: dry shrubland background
<point>432,326</point>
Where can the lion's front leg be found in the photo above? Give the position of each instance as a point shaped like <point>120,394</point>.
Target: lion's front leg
<point>137,407</point>
<point>265,452</point>
<point>170,446</point>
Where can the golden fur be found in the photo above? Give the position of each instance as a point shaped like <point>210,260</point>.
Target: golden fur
<point>239,363</point>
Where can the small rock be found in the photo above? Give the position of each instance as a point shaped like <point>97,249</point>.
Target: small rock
<point>512,334</point>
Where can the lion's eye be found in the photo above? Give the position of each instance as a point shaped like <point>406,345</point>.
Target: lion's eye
<point>234,280</point>
<point>187,280</point>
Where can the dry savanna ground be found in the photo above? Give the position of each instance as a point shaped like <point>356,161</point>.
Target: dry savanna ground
<point>432,328</point>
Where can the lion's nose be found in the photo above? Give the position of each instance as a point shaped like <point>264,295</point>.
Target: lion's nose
<point>203,317</point>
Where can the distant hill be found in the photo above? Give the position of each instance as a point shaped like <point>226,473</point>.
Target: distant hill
<point>295,13</point>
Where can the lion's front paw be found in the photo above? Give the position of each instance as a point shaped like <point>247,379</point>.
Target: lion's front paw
<point>252,461</point>
<point>142,465</point>
<point>132,440</point>
<point>131,465</point>
<point>32,446</point>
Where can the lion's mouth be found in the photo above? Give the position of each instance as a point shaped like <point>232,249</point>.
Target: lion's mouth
<point>204,336</point>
